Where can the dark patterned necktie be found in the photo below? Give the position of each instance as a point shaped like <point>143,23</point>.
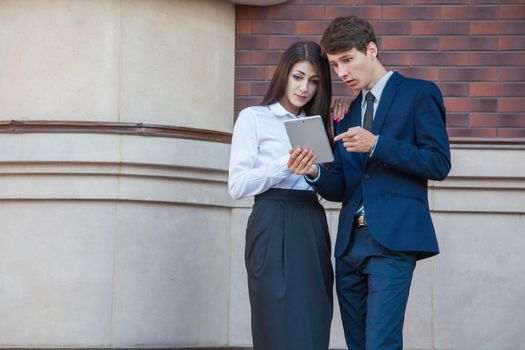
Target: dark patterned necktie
<point>369,112</point>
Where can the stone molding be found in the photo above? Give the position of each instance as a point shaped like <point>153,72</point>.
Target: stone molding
<point>141,129</point>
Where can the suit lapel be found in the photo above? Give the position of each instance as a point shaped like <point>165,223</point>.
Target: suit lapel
<point>356,121</point>
<point>355,116</point>
<point>385,102</point>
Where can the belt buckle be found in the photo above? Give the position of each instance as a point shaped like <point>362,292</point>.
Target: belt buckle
<point>361,221</point>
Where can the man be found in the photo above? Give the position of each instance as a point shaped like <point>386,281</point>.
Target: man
<point>391,142</point>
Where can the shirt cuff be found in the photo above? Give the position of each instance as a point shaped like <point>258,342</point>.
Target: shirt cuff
<point>282,164</point>
<point>312,180</point>
<point>373,147</point>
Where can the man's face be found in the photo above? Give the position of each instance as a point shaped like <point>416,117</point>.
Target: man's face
<point>356,69</point>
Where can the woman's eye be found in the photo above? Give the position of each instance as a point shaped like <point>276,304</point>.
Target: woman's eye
<point>315,82</point>
<point>297,77</point>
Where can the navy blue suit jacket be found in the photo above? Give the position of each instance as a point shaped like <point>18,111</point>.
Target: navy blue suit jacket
<point>413,147</point>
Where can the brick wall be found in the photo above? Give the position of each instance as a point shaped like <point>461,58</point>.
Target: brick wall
<point>473,49</point>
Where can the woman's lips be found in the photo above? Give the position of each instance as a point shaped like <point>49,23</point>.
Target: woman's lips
<point>300,98</point>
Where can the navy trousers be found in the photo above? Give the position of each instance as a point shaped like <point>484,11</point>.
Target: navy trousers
<point>373,284</point>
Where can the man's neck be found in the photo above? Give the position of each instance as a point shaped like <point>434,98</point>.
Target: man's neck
<point>378,72</point>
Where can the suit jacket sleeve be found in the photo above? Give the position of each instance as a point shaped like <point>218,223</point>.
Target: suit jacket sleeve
<point>330,183</point>
<point>429,157</point>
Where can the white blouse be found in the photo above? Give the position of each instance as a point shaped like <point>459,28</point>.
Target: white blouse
<point>259,152</point>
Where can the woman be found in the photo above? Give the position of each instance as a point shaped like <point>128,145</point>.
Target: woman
<point>287,250</point>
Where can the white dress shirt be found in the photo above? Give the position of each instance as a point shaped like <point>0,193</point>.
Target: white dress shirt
<point>259,152</point>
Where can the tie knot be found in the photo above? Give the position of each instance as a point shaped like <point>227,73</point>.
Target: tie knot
<point>369,97</point>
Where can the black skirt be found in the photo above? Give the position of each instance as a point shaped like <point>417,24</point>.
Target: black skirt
<point>290,274</point>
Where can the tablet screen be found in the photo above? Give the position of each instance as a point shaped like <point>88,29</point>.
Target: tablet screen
<point>310,132</point>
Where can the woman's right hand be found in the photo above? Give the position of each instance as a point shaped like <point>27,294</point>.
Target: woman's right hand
<point>302,162</point>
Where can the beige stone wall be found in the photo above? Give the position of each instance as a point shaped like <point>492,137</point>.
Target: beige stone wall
<point>111,240</point>
<point>165,62</point>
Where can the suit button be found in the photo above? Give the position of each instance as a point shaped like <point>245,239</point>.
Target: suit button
<point>366,176</point>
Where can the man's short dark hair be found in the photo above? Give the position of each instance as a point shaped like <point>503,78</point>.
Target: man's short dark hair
<point>345,33</point>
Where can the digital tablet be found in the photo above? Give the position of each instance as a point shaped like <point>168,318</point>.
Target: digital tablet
<point>310,132</point>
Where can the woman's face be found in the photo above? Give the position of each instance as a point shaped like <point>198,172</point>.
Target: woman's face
<point>302,85</point>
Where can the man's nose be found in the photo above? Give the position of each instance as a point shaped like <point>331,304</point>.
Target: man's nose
<point>342,72</point>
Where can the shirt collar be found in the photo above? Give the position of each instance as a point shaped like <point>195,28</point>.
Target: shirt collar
<point>378,88</point>
<point>279,111</point>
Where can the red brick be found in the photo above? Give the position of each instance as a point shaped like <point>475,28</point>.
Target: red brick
<point>499,2</point>
<point>310,2</point>
<point>511,74</point>
<point>266,57</point>
<point>283,42</point>
<point>242,57</point>
<point>409,43</point>
<point>395,58</point>
<point>469,12</point>
<point>273,27</point>
<point>259,88</point>
<point>468,43</point>
<point>439,59</point>
<point>296,12</point>
<point>345,2</point>
<point>440,28</point>
<point>411,12</point>
<point>311,27</point>
<point>497,59</point>
<point>512,12</point>
<point>427,73</point>
<point>454,89</point>
<point>471,105</point>
<point>250,73</point>
<point>439,2</point>
<point>497,28</point>
<point>243,102</point>
<point>457,119</point>
<point>497,120</point>
<point>512,43</point>
<point>340,89</point>
<point>243,27</point>
<point>512,133</point>
<point>379,2</point>
<point>270,71</point>
<point>245,42</point>
<point>251,12</point>
<point>511,105</point>
<point>242,89</point>
<point>391,28</point>
<point>368,12</point>
<point>497,89</point>
<point>464,132</point>
<point>467,74</point>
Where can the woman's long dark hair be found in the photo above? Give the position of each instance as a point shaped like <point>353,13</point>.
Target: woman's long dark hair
<point>320,103</point>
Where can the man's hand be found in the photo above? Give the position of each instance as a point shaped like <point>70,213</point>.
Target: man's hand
<point>357,139</point>
<point>302,162</point>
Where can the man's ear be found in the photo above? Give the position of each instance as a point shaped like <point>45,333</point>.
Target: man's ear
<point>371,49</point>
